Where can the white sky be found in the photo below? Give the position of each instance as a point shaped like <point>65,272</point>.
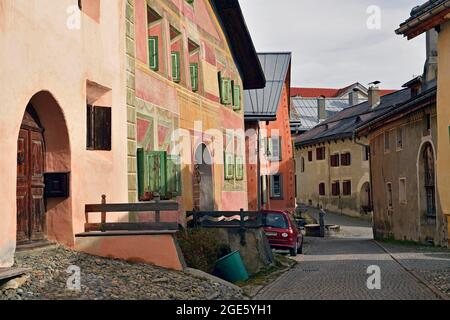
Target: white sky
<point>330,41</point>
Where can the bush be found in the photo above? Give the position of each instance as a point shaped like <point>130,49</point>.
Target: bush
<point>201,249</point>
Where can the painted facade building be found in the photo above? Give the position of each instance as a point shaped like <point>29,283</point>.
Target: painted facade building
<point>186,75</point>
<point>63,117</point>
<point>436,15</point>
<point>270,164</point>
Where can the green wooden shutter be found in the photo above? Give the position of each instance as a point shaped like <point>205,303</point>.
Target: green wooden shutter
<point>194,76</point>
<point>153,53</point>
<point>219,79</point>
<point>225,91</point>
<point>157,161</point>
<point>229,166</point>
<point>173,176</point>
<point>236,97</point>
<point>176,72</point>
<point>142,173</point>
<point>239,168</point>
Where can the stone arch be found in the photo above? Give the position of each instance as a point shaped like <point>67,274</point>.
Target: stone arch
<point>57,159</point>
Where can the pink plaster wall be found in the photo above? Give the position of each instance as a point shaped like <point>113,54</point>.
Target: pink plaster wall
<point>159,250</point>
<point>232,201</point>
<point>40,53</point>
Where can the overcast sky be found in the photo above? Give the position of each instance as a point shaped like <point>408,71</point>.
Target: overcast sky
<point>331,43</point>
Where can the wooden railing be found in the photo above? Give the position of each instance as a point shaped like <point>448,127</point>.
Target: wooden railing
<point>105,208</point>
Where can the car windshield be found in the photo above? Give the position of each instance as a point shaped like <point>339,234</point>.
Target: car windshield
<point>276,220</point>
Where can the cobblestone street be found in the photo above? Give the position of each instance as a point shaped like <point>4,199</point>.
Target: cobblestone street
<point>336,268</point>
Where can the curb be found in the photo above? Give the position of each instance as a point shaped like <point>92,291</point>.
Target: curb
<point>203,275</point>
<point>418,277</point>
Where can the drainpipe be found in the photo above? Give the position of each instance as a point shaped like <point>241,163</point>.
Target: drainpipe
<point>258,166</point>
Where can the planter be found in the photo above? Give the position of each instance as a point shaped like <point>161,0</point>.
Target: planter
<point>232,268</point>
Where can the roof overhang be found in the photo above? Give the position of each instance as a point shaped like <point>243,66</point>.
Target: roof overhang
<point>425,21</point>
<point>260,118</point>
<point>240,42</point>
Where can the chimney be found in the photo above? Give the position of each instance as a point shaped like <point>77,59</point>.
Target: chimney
<point>431,64</point>
<point>374,96</point>
<point>321,111</point>
<point>353,97</point>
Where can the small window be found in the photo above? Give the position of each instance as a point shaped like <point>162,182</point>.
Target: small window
<point>399,138</point>
<point>389,195</point>
<point>386,142</point>
<point>274,144</point>
<point>427,125</point>
<point>320,153</point>
<point>310,156</point>
<point>334,160</point>
<point>302,164</point>
<point>346,159</point>
<point>347,188</point>
<point>176,66</point>
<point>366,153</point>
<point>335,188</point>
<point>98,127</point>
<point>322,189</point>
<point>194,76</point>
<point>276,187</point>
<point>402,191</point>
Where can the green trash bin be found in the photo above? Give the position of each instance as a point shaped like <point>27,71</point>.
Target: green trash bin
<point>232,268</point>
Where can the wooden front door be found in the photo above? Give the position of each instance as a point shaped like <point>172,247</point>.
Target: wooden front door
<point>30,181</point>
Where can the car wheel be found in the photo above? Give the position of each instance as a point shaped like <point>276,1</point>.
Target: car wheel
<point>293,251</point>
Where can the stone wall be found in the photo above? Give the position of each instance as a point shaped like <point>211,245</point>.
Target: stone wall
<point>256,252</point>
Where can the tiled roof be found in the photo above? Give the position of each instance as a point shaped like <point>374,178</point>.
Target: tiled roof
<point>263,103</point>
<point>344,123</point>
<point>427,6</point>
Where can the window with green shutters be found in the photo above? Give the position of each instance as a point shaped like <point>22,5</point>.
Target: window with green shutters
<point>173,176</point>
<point>153,53</point>
<point>229,166</point>
<point>225,90</point>
<point>194,76</point>
<point>176,66</point>
<point>236,97</point>
<point>239,168</point>
<point>152,172</point>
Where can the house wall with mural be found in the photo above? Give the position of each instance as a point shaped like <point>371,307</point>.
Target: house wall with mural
<point>184,92</point>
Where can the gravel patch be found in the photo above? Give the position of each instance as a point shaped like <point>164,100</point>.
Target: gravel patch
<point>107,279</point>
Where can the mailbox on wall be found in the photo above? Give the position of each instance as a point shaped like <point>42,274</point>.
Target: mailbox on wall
<point>57,184</point>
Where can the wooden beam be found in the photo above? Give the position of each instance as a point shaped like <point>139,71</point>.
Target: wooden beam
<point>133,207</point>
<point>125,226</point>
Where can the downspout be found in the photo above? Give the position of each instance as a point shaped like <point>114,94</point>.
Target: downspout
<point>258,167</point>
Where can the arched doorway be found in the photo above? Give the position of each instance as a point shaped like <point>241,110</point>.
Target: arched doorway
<point>43,147</point>
<point>366,201</point>
<point>427,182</point>
<point>203,180</point>
<point>30,179</point>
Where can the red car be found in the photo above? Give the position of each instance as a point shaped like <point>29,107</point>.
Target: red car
<point>282,232</point>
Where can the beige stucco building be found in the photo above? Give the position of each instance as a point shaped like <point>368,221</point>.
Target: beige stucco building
<point>317,180</point>
<point>63,97</point>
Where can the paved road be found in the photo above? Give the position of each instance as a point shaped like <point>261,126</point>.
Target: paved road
<point>336,268</point>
